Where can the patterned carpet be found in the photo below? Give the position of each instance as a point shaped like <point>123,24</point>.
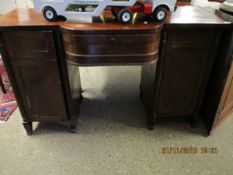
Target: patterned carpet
<point>7,101</point>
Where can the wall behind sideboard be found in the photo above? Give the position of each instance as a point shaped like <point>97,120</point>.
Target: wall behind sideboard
<point>8,5</point>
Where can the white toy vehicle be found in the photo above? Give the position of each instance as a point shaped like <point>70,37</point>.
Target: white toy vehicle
<point>227,6</point>
<point>122,9</point>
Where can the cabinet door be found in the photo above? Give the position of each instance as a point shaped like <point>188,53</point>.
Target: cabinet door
<point>184,68</point>
<point>35,67</point>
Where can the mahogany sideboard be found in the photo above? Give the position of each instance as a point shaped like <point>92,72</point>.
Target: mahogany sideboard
<point>179,59</point>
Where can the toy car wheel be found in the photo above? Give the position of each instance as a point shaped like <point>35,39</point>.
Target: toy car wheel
<point>50,14</point>
<point>159,14</point>
<point>125,16</point>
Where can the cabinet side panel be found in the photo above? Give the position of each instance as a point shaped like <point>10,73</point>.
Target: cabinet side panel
<point>218,85</point>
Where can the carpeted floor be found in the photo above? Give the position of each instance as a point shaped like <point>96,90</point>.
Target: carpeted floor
<point>7,100</point>
<point>112,137</point>
<point>7,105</point>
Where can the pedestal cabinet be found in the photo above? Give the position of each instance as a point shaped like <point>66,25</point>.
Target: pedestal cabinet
<point>34,66</point>
<point>186,63</point>
<point>183,70</point>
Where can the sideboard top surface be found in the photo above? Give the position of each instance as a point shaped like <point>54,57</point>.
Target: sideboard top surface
<point>182,16</point>
<point>29,17</point>
<point>194,15</point>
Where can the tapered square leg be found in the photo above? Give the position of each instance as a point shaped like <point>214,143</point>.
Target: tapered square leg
<point>194,121</point>
<point>73,125</point>
<point>140,92</point>
<point>150,125</point>
<point>148,91</point>
<point>28,127</point>
<point>150,120</point>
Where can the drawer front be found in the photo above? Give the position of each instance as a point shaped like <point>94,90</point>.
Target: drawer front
<point>30,44</point>
<point>111,49</point>
<point>106,39</point>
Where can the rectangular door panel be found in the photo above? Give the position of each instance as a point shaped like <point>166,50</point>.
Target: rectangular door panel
<point>36,70</point>
<point>41,86</point>
<point>186,66</point>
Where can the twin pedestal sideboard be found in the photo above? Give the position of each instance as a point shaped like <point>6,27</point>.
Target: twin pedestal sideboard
<point>186,64</point>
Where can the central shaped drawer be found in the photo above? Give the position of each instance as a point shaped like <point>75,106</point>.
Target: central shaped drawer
<point>111,49</point>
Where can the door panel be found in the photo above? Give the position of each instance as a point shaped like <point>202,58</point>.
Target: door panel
<point>41,85</point>
<point>185,70</point>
